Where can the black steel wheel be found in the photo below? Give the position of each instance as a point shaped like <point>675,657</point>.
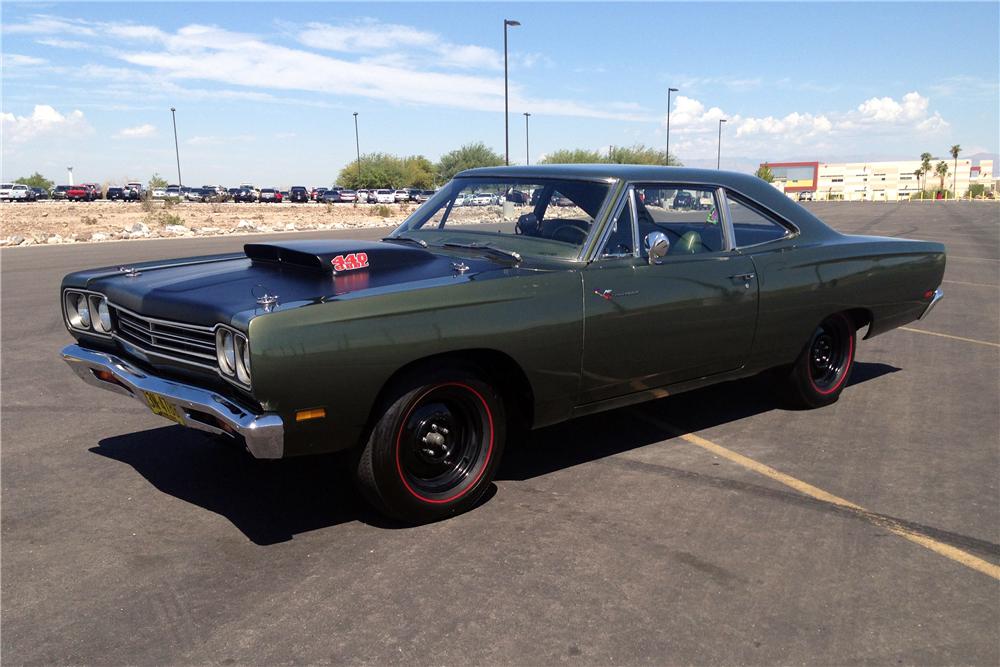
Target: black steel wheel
<point>434,449</point>
<point>824,366</point>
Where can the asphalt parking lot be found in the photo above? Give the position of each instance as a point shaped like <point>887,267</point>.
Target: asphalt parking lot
<point>713,527</point>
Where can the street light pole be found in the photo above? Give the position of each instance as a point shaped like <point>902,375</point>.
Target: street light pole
<point>718,158</point>
<point>669,90</point>
<point>177,150</point>
<point>357,145</point>
<point>506,106</point>
<point>527,146</point>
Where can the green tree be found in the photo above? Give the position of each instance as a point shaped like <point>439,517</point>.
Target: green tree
<point>637,154</point>
<point>764,173</point>
<point>157,182</point>
<point>36,180</point>
<point>418,172</point>
<point>941,170</point>
<point>468,156</point>
<point>925,167</point>
<point>378,170</point>
<point>975,190</point>
<point>572,156</point>
<point>955,150</point>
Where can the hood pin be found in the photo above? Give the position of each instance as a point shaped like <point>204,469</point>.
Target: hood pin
<point>461,267</point>
<point>130,271</point>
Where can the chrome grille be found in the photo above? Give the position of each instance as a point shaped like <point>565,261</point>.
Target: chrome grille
<point>173,340</point>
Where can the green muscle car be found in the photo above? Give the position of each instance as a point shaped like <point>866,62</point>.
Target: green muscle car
<point>514,298</point>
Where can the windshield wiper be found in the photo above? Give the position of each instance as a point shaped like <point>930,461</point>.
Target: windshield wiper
<point>406,239</point>
<point>506,254</point>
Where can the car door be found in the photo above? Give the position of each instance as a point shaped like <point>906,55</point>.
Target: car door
<point>692,315</point>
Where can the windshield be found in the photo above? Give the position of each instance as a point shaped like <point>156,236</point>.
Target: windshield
<point>532,217</point>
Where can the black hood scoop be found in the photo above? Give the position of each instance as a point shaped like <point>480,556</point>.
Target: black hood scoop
<point>336,256</point>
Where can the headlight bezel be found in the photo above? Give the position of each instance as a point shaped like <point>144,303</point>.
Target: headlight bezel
<point>232,353</point>
<point>90,323</point>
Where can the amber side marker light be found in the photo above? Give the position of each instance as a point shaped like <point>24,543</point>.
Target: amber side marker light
<point>305,415</point>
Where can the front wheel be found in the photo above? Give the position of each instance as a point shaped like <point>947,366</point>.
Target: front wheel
<point>821,372</point>
<point>434,450</point>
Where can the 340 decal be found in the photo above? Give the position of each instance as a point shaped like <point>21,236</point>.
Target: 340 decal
<point>355,260</point>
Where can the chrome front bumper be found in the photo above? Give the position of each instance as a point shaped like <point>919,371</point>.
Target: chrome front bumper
<point>938,295</point>
<point>199,408</point>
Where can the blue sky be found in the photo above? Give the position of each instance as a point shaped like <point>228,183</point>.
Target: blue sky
<point>265,92</point>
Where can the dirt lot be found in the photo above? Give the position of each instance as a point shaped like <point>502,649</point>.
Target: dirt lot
<point>65,222</point>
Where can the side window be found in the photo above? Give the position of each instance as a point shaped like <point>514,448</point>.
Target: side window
<point>688,215</point>
<point>620,240</point>
<point>750,225</point>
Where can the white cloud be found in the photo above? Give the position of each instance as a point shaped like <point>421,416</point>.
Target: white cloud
<point>137,132</point>
<point>364,37</point>
<point>913,107</point>
<point>42,24</point>
<point>44,120</point>
<point>16,60</point>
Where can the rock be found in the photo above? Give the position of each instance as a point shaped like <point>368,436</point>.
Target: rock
<point>78,238</point>
<point>247,224</point>
<point>54,239</point>
<point>177,230</point>
<point>16,239</point>
<point>209,230</point>
<point>289,226</point>
<point>137,230</point>
<point>99,236</point>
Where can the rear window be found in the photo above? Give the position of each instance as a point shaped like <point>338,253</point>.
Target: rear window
<point>6,186</point>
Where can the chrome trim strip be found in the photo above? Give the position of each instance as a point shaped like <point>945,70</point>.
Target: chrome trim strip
<point>938,295</point>
<point>728,233</point>
<point>62,305</point>
<point>264,433</point>
<point>154,353</point>
<point>169,323</point>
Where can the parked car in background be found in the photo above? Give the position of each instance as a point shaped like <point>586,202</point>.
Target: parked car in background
<point>424,195</point>
<point>80,193</point>
<point>362,195</point>
<point>297,194</point>
<point>421,354</point>
<point>270,196</point>
<point>806,195</point>
<point>60,191</point>
<point>684,199</point>
<point>317,194</point>
<point>115,194</point>
<point>385,196</point>
<point>159,193</point>
<point>16,192</point>
<point>173,192</point>
<point>97,192</point>
<point>331,197</point>
<point>400,195</point>
<point>41,193</point>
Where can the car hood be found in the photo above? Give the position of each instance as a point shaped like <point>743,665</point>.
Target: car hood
<point>226,288</point>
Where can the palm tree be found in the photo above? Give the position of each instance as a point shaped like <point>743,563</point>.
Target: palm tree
<point>918,173</point>
<point>955,150</point>
<point>925,165</point>
<point>941,170</point>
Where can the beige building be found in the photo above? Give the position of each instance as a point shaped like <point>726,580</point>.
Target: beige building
<point>876,181</point>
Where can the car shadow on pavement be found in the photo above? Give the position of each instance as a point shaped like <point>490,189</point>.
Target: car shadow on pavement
<point>269,501</point>
<point>272,501</point>
<point>608,433</point>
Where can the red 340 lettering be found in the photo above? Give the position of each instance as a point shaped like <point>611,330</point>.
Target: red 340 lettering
<point>355,260</point>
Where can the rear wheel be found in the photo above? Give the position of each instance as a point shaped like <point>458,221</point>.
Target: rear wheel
<point>435,448</point>
<point>824,366</point>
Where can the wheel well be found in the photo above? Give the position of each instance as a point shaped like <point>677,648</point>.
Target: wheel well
<point>493,366</point>
<point>860,318</point>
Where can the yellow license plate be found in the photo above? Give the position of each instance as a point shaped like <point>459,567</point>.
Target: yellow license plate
<point>161,407</point>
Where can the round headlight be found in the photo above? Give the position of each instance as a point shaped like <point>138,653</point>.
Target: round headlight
<point>77,310</point>
<point>243,360</point>
<point>99,305</point>
<point>226,351</point>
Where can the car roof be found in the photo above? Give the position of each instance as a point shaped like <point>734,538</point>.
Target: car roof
<point>747,184</point>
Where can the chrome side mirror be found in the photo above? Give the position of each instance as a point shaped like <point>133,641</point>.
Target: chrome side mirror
<point>658,245</point>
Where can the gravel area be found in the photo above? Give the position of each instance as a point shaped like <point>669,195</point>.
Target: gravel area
<point>63,222</point>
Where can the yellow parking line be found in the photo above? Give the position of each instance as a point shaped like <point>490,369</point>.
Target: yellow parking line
<point>944,335</point>
<point>960,282</point>
<point>895,527</point>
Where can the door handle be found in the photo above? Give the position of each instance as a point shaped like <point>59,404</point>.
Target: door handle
<point>744,278</point>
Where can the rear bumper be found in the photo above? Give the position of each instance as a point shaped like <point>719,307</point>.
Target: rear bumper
<point>200,409</point>
<point>938,295</point>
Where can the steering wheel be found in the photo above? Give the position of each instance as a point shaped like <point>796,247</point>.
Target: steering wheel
<point>569,234</point>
